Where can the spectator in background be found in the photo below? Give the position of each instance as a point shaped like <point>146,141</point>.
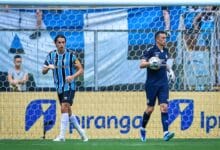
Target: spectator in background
<point>204,23</point>
<point>37,34</point>
<point>17,77</point>
<point>166,16</point>
<point>39,14</point>
<point>190,34</point>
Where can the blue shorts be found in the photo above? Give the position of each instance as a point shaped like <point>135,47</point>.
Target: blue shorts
<point>153,92</point>
<point>66,97</point>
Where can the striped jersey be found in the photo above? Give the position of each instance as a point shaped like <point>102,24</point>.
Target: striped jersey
<point>64,66</point>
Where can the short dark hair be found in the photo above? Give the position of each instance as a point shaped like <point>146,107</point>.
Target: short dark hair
<point>158,33</point>
<point>17,56</point>
<point>59,36</point>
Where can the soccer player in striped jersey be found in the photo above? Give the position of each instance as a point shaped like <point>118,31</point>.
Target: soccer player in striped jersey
<point>66,67</point>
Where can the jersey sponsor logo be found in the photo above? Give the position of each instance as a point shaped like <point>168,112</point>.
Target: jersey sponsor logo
<point>38,108</point>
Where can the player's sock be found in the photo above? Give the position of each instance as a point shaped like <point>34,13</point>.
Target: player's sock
<point>164,120</point>
<point>63,124</point>
<point>165,133</point>
<point>145,120</point>
<point>74,121</point>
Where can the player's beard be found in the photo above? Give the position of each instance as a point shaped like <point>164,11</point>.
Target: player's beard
<point>61,50</point>
<point>162,44</point>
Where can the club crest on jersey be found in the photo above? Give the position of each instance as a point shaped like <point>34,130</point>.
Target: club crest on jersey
<point>157,54</point>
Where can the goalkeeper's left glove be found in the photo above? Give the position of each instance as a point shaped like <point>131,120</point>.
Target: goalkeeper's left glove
<point>171,75</point>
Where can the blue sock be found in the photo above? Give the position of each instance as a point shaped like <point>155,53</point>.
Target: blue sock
<point>164,119</point>
<point>145,119</point>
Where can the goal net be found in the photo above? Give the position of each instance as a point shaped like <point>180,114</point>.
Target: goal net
<point>109,42</point>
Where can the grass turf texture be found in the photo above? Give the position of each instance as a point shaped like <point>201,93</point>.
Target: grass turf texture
<point>112,144</point>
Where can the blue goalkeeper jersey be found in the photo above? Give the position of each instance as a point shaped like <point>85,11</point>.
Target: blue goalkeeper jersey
<point>64,64</point>
<point>156,77</point>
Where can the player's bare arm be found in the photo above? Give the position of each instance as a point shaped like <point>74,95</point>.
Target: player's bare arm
<point>144,63</point>
<point>79,71</point>
<point>47,68</point>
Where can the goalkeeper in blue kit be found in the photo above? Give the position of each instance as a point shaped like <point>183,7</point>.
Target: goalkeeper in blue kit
<point>155,59</point>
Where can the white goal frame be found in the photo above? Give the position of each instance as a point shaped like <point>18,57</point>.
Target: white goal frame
<point>108,2</point>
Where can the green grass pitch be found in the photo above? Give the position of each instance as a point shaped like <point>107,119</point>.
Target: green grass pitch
<point>112,144</point>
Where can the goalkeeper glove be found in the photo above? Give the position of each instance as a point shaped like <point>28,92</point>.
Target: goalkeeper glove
<point>171,75</point>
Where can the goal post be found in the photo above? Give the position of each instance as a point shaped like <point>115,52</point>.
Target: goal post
<point>109,38</point>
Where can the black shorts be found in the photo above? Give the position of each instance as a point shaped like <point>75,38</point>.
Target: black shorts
<point>66,97</point>
<point>154,92</point>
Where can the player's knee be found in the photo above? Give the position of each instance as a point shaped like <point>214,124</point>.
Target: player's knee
<point>149,110</point>
<point>163,108</point>
<point>65,108</point>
